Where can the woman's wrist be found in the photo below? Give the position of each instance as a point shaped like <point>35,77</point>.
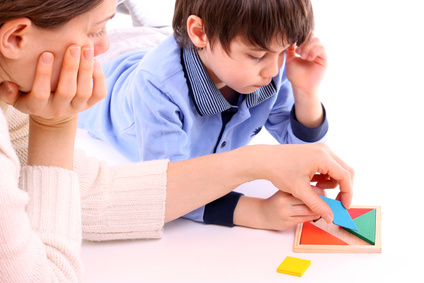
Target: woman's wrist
<point>51,141</point>
<point>248,161</point>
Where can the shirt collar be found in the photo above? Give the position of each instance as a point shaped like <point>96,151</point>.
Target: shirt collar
<point>207,98</point>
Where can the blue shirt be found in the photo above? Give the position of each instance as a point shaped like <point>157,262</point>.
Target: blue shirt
<point>166,106</point>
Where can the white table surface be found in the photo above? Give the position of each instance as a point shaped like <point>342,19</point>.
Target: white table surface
<point>373,92</point>
<point>194,252</point>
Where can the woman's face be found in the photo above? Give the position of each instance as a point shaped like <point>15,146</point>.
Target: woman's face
<point>86,30</point>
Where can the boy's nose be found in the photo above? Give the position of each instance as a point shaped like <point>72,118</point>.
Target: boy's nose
<point>272,67</point>
<point>270,71</point>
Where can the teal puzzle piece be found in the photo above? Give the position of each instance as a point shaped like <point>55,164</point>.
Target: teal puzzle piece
<point>341,215</point>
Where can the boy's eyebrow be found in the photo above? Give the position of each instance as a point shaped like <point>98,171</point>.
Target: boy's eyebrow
<point>258,48</point>
<point>261,49</point>
<point>105,19</point>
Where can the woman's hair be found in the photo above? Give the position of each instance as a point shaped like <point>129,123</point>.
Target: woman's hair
<point>258,22</point>
<point>45,13</point>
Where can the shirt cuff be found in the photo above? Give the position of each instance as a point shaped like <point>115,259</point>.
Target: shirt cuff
<point>308,134</point>
<point>221,211</point>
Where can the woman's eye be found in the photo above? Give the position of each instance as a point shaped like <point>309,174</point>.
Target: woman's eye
<point>98,34</point>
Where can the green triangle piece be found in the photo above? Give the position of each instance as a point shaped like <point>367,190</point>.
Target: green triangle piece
<point>366,227</point>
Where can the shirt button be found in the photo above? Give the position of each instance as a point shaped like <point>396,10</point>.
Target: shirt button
<point>223,144</point>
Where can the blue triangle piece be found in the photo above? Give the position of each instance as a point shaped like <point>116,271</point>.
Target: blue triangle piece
<point>341,215</point>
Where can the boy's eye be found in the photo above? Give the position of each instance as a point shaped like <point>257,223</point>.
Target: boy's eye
<point>256,58</point>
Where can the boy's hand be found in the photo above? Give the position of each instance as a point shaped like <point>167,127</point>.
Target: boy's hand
<point>81,85</point>
<point>278,212</point>
<point>306,70</point>
<point>306,66</point>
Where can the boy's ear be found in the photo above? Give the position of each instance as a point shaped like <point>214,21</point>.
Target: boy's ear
<point>195,31</point>
<point>13,37</point>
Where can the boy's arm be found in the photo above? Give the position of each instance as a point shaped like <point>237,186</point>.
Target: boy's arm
<point>159,122</point>
<point>283,124</point>
<point>306,72</point>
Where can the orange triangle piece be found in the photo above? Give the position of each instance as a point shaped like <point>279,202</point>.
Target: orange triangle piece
<point>313,235</point>
<point>356,212</point>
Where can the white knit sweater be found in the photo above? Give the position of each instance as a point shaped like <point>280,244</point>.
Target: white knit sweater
<point>45,210</point>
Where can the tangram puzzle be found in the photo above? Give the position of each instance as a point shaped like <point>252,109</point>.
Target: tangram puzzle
<point>322,237</point>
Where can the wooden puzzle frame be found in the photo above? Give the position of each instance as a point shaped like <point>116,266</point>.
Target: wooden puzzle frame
<point>355,245</point>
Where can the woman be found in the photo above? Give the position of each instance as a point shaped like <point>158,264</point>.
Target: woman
<point>40,222</point>
<point>48,71</point>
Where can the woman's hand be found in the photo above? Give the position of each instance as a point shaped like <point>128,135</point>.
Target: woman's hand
<point>81,84</point>
<point>53,113</point>
<point>292,169</point>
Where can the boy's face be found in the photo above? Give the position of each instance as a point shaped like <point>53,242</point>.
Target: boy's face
<point>246,68</point>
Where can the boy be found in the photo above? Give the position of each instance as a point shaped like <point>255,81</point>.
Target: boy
<point>229,69</point>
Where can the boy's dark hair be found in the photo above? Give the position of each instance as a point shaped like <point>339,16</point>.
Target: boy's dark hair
<point>258,22</point>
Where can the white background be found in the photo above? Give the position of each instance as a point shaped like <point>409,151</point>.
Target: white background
<point>373,92</point>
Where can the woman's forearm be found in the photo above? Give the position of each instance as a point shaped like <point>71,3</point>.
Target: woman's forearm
<point>291,168</point>
<point>198,181</point>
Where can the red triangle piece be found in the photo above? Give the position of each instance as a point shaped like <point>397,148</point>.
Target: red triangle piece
<point>355,212</point>
<point>313,235</point>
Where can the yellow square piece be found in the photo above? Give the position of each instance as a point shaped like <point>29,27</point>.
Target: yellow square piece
<point>294,266</point>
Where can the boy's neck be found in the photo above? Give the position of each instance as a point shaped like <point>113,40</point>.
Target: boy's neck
<point>230,95</point>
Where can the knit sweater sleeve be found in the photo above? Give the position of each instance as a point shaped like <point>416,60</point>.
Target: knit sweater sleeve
<point>18,130</point>
<point>40,222</point>
<point>121,202</point>
<point>118,202</point>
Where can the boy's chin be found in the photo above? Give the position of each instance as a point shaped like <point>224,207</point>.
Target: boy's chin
<point>249,90</point>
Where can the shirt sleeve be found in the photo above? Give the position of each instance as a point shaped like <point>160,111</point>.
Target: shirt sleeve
<point>221,211</point>
<point>309,134</point>
<point>159,121</point>
<point>283,125</point>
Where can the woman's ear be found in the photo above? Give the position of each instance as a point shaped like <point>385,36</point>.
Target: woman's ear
<point>13,37</point>
<point>195,31</point>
